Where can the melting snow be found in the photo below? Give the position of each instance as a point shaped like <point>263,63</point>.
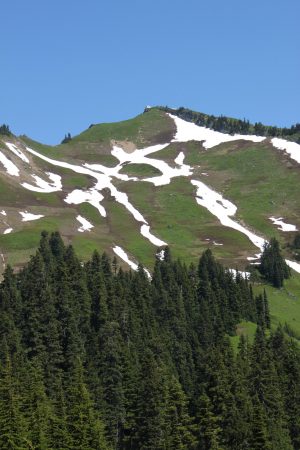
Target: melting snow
<point>140,157</point>
<point>13,148</point>
<point>180,158</point>
<point>223,209</point>
<point>123,255</point>
<point>44,186</point>
<point>92,196</point>
<point>213,201</point>
<point>283,226</point>
<point>7,231</point>
<point>161,255</point>
<point>145,231</point>
<point>187,131</point>
<point>11,169</point>
<point>254,258</point>
<point>291,148</point>
<point>245,275</point>
<point>85,224</point>
<point>26,216</point>
<point>293,265</point>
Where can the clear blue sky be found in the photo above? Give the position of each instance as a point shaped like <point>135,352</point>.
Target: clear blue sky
<point>65,64</point>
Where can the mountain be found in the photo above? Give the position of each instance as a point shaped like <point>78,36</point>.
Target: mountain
<point>161,178</point>
<point>182,352</point>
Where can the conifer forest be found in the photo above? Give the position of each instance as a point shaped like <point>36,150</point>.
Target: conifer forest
<point>93,357</point>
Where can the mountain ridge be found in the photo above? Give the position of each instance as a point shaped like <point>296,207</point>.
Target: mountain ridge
<point>149,130</point>
<point>130,188</point>
<point>220,123</point>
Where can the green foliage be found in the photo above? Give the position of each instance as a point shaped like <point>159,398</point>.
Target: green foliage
<point>95,358</point>
<point>4,130</point>
<point>272,265</point>
<point>66,139</point>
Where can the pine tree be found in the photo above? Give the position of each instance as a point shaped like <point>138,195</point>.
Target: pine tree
<point>180,429</point>
<point>37,406</point>
<point>12,423</point>
<point>260,437</point>
<point>209,430</point>
<point>112,387</point>
<point>85,427</point>
<point>272,265</point>
<point>150,414</point>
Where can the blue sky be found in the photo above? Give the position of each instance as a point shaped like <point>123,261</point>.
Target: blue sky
<point>68,63</point>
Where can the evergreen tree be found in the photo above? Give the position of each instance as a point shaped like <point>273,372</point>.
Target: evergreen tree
<point>12,423</point>
<point>84,424</point>
<point>151,414</point>
<point>209,430</point>
<point>92,357</point>
<point>272,265</point>
<point>180,429</point>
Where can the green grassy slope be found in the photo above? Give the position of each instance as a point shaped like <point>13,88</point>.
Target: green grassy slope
<point>258,179</point>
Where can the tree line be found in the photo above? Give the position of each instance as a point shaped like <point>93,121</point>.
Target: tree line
<point>93,357</point>
<point>4,130</point>
<point>230,125</point>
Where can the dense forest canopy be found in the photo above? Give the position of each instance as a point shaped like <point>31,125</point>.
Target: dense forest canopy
<point>92,357</point>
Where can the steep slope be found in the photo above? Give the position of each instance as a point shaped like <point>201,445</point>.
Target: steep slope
<point>154,180</point>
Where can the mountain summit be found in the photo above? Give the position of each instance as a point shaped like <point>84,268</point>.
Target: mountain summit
<point>166,177</point>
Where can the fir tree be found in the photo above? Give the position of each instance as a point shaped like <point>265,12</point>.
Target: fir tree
<point>272,265</point>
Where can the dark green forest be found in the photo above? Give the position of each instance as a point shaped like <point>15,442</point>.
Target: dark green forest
<point>93,357</point>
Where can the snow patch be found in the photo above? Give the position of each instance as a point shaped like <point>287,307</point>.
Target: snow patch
<point>161,255</point>
<point>140,157</point>
<point>180,158</point>
<point>13,148</point>
<point>10,167</point>
<point>103,181</point>
<point>254,258</point>
<point>245,275</point>
<point>44,186</point>
<point>291,148</point>
<point>145,231</point>
<point>223,209</point>
<point>123,255</point>
<point>293,265</point>
<point>188,131</point>
<point>282,225</point>
<point>92,196</point>
<point>85,224</point>
<point>26,216</point>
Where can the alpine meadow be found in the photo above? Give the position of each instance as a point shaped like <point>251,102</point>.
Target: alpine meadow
<point>150,286</point>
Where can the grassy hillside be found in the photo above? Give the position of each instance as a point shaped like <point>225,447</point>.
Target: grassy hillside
<point>257,178</point>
